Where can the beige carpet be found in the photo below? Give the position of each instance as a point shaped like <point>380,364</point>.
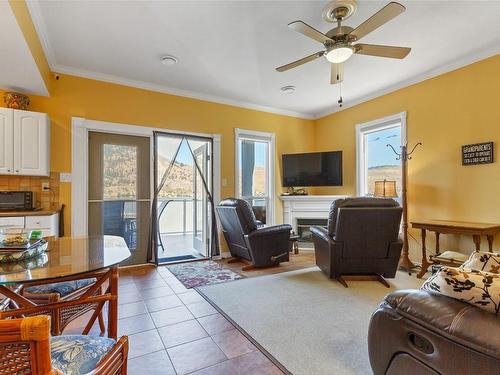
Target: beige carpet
<point>309,323</point>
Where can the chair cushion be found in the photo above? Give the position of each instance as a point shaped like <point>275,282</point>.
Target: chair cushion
<point>76,354</point>
<point>355,202</point>
<point>244,212</point>
<point>63,289</point>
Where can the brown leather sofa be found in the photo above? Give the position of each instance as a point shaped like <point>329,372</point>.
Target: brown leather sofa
<point>362,238</point>
<point>261,246</point>
<point>417,332</point>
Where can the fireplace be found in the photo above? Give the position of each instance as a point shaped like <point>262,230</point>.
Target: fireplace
<point>304,211</point>
<point>304,232</point>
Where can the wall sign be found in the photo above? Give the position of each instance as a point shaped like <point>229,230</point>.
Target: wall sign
<point>478,153</point>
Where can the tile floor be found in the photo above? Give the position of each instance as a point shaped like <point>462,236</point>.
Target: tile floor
<point>173,330</point>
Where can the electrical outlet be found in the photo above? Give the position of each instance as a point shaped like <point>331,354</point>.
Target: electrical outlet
<point>45,186</point>
<point>65,177</point>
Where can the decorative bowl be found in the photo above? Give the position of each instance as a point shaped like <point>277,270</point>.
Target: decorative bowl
<point>16,101</point>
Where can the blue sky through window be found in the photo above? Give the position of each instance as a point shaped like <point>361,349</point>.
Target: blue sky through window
<point>378,152</point>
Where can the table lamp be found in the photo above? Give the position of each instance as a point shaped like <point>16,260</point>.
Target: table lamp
<point>385,188</point>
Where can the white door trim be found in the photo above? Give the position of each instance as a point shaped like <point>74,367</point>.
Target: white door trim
<point>271,158</point>
<point>79,162</point>
<point>375,124</point>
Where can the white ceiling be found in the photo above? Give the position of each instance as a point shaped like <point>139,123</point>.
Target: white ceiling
<point>228,50</point>
<point>16,76</point>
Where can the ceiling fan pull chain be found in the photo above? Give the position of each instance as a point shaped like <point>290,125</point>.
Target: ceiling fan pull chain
<point>340,101</point>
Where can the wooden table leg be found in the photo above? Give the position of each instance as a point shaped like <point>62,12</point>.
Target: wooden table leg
<point>425,263</point>
<point>113,304</point>
<point>490,242</point>
<point>477,241</point>
<point>438,250</point>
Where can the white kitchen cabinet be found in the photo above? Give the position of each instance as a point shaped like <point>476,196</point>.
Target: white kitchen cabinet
<point>48,224</point>
<point>12,222</point>
<point>6,141</point>
<point>25,143</point>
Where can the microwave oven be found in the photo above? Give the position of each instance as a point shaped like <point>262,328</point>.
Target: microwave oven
<point>17,200</point>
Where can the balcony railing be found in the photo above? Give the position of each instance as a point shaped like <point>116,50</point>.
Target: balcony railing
<point>177,217</point>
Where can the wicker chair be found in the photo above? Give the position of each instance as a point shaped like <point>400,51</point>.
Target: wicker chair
<point>26,348</point>
<point>60,318</point>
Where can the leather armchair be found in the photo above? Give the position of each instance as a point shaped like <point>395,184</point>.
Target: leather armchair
<point>417,332</point>
<point>261,246</point>
<point>362,238</point>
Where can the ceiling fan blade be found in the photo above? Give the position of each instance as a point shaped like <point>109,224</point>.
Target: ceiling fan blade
<point>299,62</point>
<point>309,31</point>
<point>382,51</point>
<point>337,73</point>
<point>383,16</point>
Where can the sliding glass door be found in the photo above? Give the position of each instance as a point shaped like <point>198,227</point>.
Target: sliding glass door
<point>119,190</point>
<point>184,216</point>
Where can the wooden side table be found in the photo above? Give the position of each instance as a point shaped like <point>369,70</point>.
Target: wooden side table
<point>453,227</point>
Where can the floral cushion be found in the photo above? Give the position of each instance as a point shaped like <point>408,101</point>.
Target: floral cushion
<point>63,288</point>
<point>483,261</point>
<point>481,289</point>
<point>76,354</point>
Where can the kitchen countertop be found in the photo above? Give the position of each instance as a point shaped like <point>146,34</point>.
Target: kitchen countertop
<point>44,212</point>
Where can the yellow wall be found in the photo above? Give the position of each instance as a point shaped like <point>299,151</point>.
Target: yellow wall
<point>444,113</point>
<point>79,97</point>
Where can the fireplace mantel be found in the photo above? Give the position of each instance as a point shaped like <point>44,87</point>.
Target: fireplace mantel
<point>306,207</point>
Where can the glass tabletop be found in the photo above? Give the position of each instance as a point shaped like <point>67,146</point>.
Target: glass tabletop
<point>67,256</point>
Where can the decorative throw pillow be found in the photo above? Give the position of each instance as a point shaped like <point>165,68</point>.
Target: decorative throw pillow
<point>481,289</point>
<point>483,261</point>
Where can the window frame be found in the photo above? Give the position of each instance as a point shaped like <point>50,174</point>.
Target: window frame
<point>269,138</point>
<point>368,127</point>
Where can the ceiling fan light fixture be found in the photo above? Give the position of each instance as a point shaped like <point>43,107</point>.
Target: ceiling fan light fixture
<point>339,54</point>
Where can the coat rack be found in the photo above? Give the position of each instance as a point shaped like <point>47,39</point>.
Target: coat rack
<point>406,263</point>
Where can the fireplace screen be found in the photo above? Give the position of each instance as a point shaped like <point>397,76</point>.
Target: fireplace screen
<point>304,225</point>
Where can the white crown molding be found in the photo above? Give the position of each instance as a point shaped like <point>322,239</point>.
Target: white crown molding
<point>454,65</point>
<point>40,27</point>
<point>178,92</point>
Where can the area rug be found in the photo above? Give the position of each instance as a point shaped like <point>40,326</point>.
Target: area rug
<point>207,272</point>
<point>305,321</point>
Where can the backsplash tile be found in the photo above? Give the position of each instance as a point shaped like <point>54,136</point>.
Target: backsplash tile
<point>44,200</point>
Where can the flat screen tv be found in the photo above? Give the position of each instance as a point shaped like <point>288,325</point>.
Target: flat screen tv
<point>312,169</point>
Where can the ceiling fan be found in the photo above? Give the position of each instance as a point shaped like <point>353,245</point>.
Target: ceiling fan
<point>338,42</point>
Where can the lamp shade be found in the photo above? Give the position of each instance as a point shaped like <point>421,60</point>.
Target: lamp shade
<point>385,188</point>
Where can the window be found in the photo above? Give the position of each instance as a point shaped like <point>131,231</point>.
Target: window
<point>255,172</point>
<point>375,160</point>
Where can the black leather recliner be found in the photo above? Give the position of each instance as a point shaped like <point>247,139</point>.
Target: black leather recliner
<point>417,332</point>
<point>362,239</point>
<point>261,246</point>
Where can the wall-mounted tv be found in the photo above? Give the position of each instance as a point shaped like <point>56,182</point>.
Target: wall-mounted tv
<point>312,169</point>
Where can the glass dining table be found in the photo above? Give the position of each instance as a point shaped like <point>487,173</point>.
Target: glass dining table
<point>68,259</point>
